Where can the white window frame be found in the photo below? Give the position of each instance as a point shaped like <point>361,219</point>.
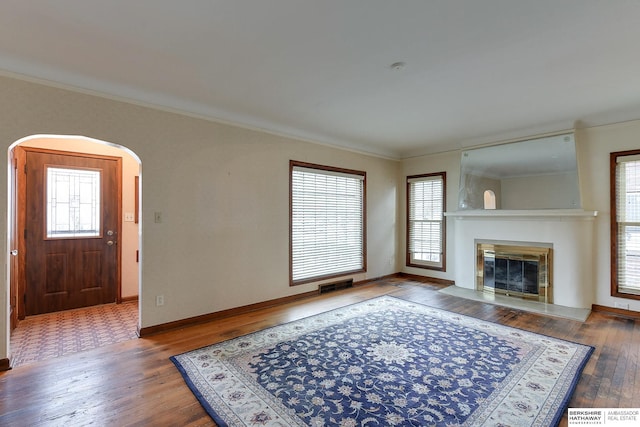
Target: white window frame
<point>424,216</point>
<point>625,224</point>
<point>327,222</point>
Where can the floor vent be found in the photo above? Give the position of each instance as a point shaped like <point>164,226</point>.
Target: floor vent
<point>328,287</point>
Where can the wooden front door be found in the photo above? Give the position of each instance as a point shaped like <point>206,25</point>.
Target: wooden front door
<point>72,208</point>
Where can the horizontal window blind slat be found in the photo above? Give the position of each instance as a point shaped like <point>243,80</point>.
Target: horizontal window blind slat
<point>627,216</point>
<point>425,218</point>
<point>327,222</point>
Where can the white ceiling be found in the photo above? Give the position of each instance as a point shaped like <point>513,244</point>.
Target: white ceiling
<point>476,70</point>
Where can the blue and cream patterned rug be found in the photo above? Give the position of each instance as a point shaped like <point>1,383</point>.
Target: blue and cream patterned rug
<point>386,362</point>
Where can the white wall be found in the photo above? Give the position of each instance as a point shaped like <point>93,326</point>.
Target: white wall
<point>223,193</point>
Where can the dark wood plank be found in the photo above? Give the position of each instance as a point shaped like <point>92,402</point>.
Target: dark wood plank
<point>134,383</point>
<point>630,391</point>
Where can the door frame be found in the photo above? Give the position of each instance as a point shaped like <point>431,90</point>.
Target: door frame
<point>21,200</point>
<point>16,268</point>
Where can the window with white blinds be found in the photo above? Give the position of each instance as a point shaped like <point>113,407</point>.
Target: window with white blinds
<point>327,222</point>
<point>626,224</point>
<point>425,221</point>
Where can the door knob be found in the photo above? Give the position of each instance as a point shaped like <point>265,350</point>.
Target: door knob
<point>110,243</point>
<point>14,252</point>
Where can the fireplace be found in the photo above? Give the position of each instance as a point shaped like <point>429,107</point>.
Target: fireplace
<point>570,232</point>
<point>514,269</point>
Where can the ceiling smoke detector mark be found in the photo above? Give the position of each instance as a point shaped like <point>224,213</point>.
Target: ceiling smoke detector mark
<point>397,66</point>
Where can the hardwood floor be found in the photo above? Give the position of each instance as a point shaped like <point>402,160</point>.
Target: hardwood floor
<point>135,384</point>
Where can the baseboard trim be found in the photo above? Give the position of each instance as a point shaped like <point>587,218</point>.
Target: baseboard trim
<point>5,365</point>
<point>191,321</point>
<point>425,279</point>
<point>618,311</point>
<point>374,279</point>
<point>129,299</point>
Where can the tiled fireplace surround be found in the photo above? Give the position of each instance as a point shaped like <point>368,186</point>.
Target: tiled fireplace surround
<point>569,232</point>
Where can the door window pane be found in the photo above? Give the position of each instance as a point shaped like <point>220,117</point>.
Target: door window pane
<point>73,202</point>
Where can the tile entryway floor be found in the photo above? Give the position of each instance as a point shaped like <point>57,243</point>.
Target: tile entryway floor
<point>52,335</point>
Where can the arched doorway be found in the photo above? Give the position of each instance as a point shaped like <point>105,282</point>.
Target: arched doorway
<point>119,238</point>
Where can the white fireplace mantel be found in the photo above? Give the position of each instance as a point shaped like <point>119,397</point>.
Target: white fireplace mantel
<point>524,214</point>
<point>568,231</point>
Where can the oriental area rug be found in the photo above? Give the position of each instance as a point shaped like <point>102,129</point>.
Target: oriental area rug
<point>386,362</point>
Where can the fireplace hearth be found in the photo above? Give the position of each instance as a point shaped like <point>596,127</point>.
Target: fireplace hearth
<point>522,271</point>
